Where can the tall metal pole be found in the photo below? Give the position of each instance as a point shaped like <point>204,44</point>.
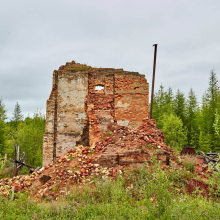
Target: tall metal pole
<point>153,79</point>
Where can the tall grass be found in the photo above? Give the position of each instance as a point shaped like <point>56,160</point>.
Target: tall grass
<point>140,194</point>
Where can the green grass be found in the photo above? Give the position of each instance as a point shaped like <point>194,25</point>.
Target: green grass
<point>139,194</point>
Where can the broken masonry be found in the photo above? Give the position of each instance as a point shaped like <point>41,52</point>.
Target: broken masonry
<point>86,101</point>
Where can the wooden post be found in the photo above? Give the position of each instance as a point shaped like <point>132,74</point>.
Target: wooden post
<point>12,193</point>
<point>17,151</point>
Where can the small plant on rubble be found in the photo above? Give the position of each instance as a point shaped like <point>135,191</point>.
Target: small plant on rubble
<point>178,160</point>
<point>70,157</point>
<point>109,133</point>
<point>190,163</point>
<point>55,189</point>
<point>149,146</point>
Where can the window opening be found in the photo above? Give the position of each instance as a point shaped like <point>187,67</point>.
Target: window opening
<point>98,88</point>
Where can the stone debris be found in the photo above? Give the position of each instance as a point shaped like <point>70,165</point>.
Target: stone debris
<point>120,148</point>
<point>205,188</point>
<point>73,167</point>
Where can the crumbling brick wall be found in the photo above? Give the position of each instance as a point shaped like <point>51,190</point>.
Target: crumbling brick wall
<point>78,113</point>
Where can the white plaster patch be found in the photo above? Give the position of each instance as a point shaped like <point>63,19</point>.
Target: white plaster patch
<point>80,115</point>
<point>123,123</point>
<point>50,118</point>
<point>71,99</point>
<point>74,92</point>
<point>122,105</point>
<point>50,127</point>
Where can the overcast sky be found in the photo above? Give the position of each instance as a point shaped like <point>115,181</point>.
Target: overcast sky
<point>36,37</point>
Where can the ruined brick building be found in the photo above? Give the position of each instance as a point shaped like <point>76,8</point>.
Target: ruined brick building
<point>78,112</point>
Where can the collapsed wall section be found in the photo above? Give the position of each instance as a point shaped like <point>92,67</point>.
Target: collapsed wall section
<point>79,113</point>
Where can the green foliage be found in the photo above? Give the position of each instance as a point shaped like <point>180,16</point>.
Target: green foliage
<point>2,128</point>
<point>174,131</point>
<point>190,163</point>
<point>217,123</point>
<point>211,102</point>
<point>139,194</point>
<point>180,105</point>
<point>205,142</point>
<point>17,116</point>
<point>191,122</point>
<point>29,136</point>
<point>199,122</point>
<point>163,104</point>
<point>6,168</point>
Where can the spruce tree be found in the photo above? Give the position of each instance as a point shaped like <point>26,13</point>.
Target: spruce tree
<point>192,113</point>
<point>159,103</point>
<point>210,102</point>
<point>163,104</point>
<point>180,105</point>
<point>169,101</point>
<point>17,116</point>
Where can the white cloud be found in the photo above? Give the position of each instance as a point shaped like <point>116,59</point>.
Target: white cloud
<point>37,37</point>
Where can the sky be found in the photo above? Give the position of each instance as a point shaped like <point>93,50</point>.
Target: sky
<point>36,37</point>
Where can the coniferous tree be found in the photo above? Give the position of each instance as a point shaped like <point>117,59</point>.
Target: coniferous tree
<point>159,103</point>
<point>17,116</point>
<point>163,104</point>
<point>169,101</point>
<point>210,102</point>
<point>180,105</point>
<point>217,123</point>
<point>192,120</point>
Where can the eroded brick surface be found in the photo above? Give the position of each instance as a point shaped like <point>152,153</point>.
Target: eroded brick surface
<point>78,113</point>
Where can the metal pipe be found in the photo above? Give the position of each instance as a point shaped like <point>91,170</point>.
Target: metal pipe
<point>153,79</point>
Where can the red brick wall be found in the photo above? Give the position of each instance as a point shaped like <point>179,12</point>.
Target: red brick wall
<point>77,111</point>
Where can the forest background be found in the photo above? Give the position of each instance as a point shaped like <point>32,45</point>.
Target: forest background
<point>184,120</point>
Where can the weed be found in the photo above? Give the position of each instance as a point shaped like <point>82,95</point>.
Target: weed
<point>141,193</point>
<point>70,157</point>
<point>109,133</point>
<point>190,163</point>
<point>55,189</point>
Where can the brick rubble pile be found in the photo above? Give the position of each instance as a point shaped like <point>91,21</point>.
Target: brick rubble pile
<point>119,148</point>
<point>79,165</point>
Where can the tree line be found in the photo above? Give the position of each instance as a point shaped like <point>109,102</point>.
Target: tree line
<point>26,132</point>
<point>185,121</point>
